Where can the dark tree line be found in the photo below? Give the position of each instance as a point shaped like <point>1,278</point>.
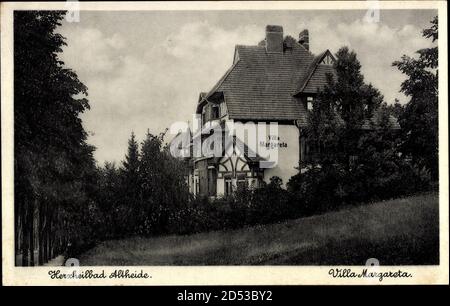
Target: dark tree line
<point>64,203</point>
<point>53,164</point>
<point>144,194</point>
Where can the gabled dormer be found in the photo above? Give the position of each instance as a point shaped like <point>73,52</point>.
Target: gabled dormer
<point>315,77</point>
<point>211,108</point>
<point>328,59</point>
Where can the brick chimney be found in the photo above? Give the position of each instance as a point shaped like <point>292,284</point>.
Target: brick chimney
<point>274,39</point>
<point>303,39</point>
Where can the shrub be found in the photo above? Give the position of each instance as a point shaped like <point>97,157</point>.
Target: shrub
<point>270,203</point>
<point>318,189</point>
<point>323,189</point>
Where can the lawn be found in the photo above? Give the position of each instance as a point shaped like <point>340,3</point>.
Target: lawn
<point>396,232</point>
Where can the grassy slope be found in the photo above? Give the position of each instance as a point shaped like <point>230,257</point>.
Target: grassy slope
<point>402,231</point>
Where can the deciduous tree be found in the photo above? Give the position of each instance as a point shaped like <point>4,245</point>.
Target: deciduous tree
<point>420,118</point>
<point>52,159</point>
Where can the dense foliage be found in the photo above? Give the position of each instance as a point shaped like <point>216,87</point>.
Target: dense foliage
<point>54,167</point>
<point>144,194</point>
<point>353,164</point>
<point>419,119</point>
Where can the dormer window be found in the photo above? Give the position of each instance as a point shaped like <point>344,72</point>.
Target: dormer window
<point>309,103</point>
<point>204,115</point>
<point>215,112</point>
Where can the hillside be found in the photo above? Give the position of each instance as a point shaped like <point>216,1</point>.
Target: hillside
<point>402,231</point>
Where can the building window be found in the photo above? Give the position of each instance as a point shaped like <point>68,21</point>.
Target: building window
<point>223,109</point>
<point>215,112</point>
<point>196,185</point>
<point>309,103</point>
<point>203,115</point>
<point>241,181</point>
<point>305,150</point>
<point>228,185</point>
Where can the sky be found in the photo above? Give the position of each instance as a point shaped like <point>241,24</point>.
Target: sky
<point>145,69</point>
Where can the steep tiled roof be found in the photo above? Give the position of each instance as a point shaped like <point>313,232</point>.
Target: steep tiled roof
<point>261,85</point>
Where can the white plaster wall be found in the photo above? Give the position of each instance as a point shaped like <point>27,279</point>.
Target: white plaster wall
<point>288,157</point>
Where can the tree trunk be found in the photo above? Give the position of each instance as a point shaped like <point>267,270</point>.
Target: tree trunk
<point>45,240</point>
<point>31,232</point>
<point>50,244</point>
<point>40,234</point>
<point>17,212</point>
<point>64,240</point>
<point>24,236</point>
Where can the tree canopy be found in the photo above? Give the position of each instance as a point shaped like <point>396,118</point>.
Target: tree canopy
<point>419,120</point>
<point>53,162</point>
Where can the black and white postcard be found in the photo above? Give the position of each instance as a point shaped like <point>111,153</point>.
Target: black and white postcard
<point>224,143</point>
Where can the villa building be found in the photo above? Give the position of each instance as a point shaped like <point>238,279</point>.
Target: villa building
<point>275,81</point>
